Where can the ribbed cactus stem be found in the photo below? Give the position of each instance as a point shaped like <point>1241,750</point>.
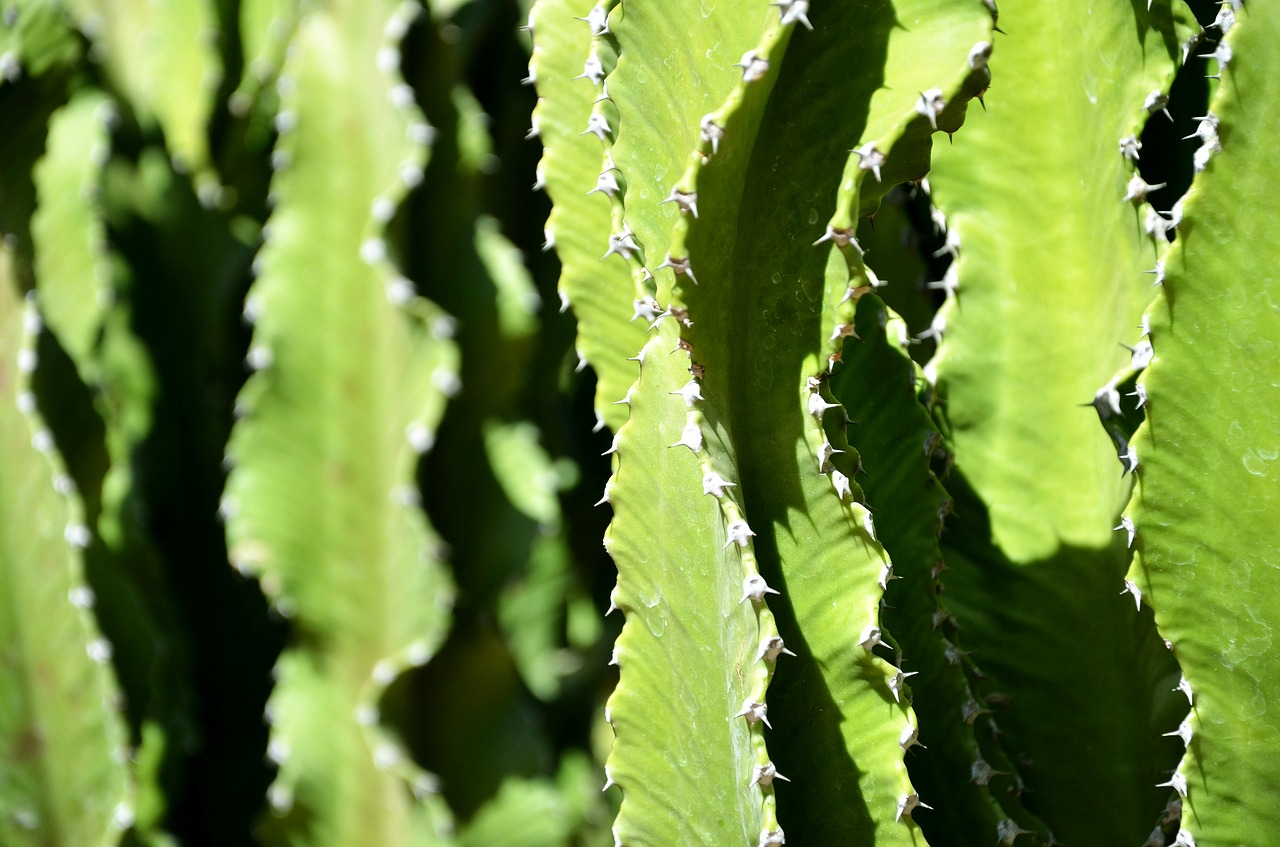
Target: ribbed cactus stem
<point>1203,512</point>
<point>366,595</point>
<point>66,778</point>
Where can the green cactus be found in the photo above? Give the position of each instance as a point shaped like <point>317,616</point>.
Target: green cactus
<point>926,517</point>
<point>1204,509</point>
<point>1035,479</point>
<point>66,778</point>
<point>368,599</point>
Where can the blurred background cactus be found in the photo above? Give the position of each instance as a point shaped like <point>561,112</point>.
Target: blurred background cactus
<point>926,517</point>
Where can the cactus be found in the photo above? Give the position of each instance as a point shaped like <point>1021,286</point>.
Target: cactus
<point>926,517</point>
<point>1213,529</point>
<point>66,778</point>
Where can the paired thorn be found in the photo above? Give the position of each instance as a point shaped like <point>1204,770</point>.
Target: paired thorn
<point>841,237</point>
<point>680,265</point>
<point>1007,831</point>
<point>712,132</point>
<point>1130,587</point>
<point>772,648</point>
<point>1184,731</point>
<point>755,712</point>
<point>793,11</point>
<point>972,710</point>
<point>739,533</point>
<point>623,243</point>
<point>1138,189</point>
<point>647,308</point>
<point>1139,391</point>
<point>1226,18</point>
<point>981,773</point>
<point>931,104</point>
<point>871,637</point>
<point>1141,354</point>
<point>754,587</point>
<point>1178,782</point>
<point>1129,147</point>
<point>1126,523</point>
<point>1129,458</point>
<point>870,159</point>
<point>691,392</point>
<point>907,804</point>
<point>714,484</point>
<point>818,406</point>
<point>691,437</point>
<point>1158,271</point>
<point>597,19</point>
<point>1157,101</point>
<point>844,489</point>
<point>910,737</point>
<point>764,775</point>
<point>592,69</point>
<point>597,125</point>
<point>686,200</point>
<point>754,66</point>
<point>772,838</point>
<point>896,683</point>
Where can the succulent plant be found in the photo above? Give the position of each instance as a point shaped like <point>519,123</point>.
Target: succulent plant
<point>929,518</point>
